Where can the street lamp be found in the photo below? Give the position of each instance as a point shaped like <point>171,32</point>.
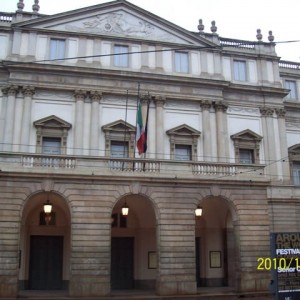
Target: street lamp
<point>47,210</point>
<point>125,209</point>
<point>198,211</point>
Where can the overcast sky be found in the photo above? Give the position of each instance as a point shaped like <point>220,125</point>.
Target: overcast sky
<point>234,18</point>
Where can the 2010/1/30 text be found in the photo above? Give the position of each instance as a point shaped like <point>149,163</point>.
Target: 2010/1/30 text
<point>283,264</point>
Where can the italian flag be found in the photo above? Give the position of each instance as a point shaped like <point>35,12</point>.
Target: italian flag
<point>141,131</point>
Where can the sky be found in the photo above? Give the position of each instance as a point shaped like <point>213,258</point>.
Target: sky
<point>237,19</point>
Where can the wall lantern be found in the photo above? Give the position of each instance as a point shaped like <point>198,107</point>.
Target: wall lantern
<point>198,211</point>
<point>47,210</point>
<point>125,209</point>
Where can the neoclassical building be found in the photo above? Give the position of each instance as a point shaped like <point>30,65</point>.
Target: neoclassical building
<point>223,135</point>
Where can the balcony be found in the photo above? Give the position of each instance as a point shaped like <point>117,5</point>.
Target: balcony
<point>30,164</point>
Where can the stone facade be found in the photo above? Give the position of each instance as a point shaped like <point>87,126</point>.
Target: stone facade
<point>223,134</point>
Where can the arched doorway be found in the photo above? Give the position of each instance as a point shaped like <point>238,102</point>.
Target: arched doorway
<point>133,244</point>
<point>216,248</point>
<point>44,252</point>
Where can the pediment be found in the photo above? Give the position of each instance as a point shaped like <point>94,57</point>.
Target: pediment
<point>247,135</point>
<point>53,122</point>
<point>118,126</point>
<point>295,149</point>
<point>183,130</point>
<point>120,19</point>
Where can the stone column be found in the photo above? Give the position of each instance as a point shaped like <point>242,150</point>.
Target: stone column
<point>160,134</point>
<point>222,133</point>
<point>207,151</point>
<point>79,95</point>
<point>10,117</point>
<point>94,132</point>
<point>28,93</point>
<point>268,140</point>
<point>283,143</point>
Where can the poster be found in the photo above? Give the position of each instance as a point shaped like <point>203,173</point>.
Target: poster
<point>285,263</point>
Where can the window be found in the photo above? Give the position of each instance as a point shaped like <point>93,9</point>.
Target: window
<point>296,172</point>
<point>183,152</point>
<point>57,49</point>
<point>294,159</point>
<point>239,68</point>
<point>181,62</point>
<point>246,147</point>
<point>183,142</point>
<point>119,149</point>
<point>291,85</point>
<point>246,156</point>
<point>121,58</point>
<point>51,146</point>
<point>119,139</point>
<point>51,135</point>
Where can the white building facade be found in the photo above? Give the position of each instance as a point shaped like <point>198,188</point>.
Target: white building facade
<point>223,134</point>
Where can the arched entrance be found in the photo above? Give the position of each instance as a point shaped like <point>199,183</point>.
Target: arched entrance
<point>44,248</point>
<point>133,244</point>
<point>216,248</point>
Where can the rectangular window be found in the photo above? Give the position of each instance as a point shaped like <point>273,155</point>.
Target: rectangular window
<point>183,152</point>
<point>57,49</point>
<point>51,146</point>
<point>296,173</point>
<point>119,149</point>
<point>239,68</point>
<point>181,62</point>
<point>121,57</point>
<point>292,86</point>
<point>246,156</point>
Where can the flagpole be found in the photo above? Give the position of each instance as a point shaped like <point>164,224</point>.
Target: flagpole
<point>136,121</point>
<point>126,129</point>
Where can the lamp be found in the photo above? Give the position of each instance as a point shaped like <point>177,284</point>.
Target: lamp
<point>198,211</point>
<point>125,209</point>
<point>47,210</point>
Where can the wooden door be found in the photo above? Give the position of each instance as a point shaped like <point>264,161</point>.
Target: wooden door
<point>46,262</point>
<point>122,254</point>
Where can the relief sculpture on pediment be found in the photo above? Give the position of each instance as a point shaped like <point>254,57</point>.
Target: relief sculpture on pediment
<point>120,24</point>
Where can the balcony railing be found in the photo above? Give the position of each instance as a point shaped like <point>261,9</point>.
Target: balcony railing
<point>6,17</point>
<point>89,165</point>
<point>289,65</point>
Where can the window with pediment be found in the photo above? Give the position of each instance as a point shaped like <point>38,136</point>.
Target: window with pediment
<point>51,135</point>
<point>119,139</point>
<point>183,142</point>
<point>294,158</point>
<point>246,147</point>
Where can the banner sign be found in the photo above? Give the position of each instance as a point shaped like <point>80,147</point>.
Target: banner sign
<point>285,264</point>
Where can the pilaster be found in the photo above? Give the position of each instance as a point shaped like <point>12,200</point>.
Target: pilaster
<point>159,102</point>
<point>79,95</point>
<point>206,105</point>
<point>94,132</point>
<point>10,117</point>
<point>222,132</point>
<point>28,92</point>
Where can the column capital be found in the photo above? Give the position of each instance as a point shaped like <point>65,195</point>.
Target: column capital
<point>145,98</point>
<point>159,100</point>
<point>80,95</point>
<point>266,111</point>
<point>95,96</point>
<point>10,90</point>
<point>281,112</point>
<point>28,91</point>
<point>219,106</point>
<point>205,104</point>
